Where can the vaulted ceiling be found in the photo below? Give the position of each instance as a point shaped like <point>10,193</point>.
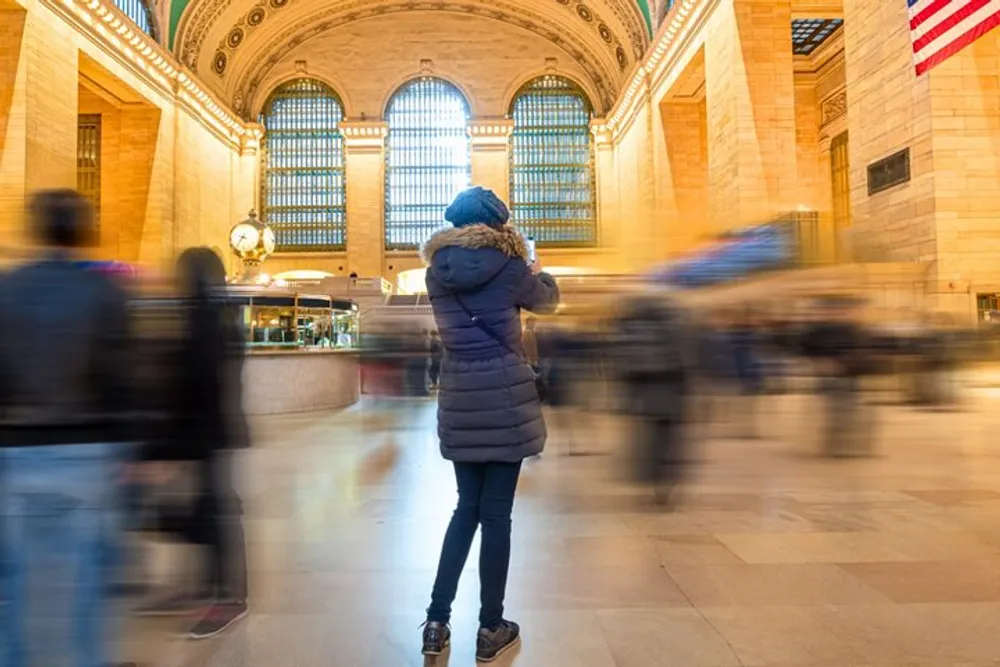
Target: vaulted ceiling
<point>236,46</point>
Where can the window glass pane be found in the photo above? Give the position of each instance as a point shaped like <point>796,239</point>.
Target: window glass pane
<point>551,164</point>
<point>303,182</point>
<point>809,34</point>
<point>88,161</point>
<point>138,11</point>
<point>427,159</point>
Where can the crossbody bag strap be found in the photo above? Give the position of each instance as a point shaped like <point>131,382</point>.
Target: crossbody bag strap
<point>487,329</point>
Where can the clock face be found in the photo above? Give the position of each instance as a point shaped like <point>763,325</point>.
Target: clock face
<point>269,240</point>
<point>244,238</point>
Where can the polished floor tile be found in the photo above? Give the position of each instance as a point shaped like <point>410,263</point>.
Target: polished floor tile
<point>773,558</point>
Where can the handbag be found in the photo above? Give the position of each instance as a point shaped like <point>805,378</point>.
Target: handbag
<point>541,384</point>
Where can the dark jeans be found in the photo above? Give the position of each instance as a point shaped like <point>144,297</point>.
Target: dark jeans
<point>485,497</point>
<point>219,511</point>
<point>434,370</point>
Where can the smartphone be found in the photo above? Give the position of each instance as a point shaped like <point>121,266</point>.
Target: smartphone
<point>532,255</point>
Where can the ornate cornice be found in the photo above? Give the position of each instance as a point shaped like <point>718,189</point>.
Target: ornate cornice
<point>680,27</point>
<point>308,27</point>
<point>490,134</point>
<point>252,139</point>
<point>364,136</point>
<point>108,29</point>
<point>602,133</point>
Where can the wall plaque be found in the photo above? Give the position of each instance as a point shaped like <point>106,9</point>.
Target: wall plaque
<point>889,172</point>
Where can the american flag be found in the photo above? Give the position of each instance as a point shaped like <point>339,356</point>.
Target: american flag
<point>941,28</point>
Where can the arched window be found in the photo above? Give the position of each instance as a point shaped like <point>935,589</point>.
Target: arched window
<point>551,164</point>
<point>140,13</point>
<point>303,181</point>
<point>426,160</point>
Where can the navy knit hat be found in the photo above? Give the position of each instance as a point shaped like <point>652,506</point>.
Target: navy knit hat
<point>477,205</point>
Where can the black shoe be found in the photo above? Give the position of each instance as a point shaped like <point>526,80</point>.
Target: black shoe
<point>490,644</point>
<point>218,618</point>
<point>437,636</point>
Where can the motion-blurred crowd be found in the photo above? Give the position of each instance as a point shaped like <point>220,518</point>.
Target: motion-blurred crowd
<point>120,405</point>
<point>677,371</point>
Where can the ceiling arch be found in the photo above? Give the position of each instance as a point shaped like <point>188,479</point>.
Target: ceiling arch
<point>179,11</point>
<point>604,68</point>
<point>233,44</point>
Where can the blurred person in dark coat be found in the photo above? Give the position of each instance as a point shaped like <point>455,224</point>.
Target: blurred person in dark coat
<point>65,425</point>
<point>746,344</point>
<point>207,426</point>
<point>839,346</point>
<point>436,355</point>
<point>652,344</point>
<point>479,280</point>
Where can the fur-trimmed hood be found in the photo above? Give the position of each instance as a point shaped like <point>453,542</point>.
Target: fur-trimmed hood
<point>462,259</point>
<point>475,237</point>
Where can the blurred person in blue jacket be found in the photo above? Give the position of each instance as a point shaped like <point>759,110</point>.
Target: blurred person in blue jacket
<point>65,425</point>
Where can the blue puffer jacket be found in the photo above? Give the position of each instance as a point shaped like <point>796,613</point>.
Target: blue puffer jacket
<point>488,408</point>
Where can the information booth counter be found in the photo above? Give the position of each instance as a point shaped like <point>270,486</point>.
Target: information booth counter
<point>302,350</point>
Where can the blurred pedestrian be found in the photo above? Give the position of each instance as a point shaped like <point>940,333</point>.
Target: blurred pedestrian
<point>652,346</point>
<point>65,421</point>
<point>436,354</point>
<point>208,427</point>
<point>838,345</point>
<point>489,416</point>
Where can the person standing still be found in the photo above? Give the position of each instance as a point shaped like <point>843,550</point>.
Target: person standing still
<point>479,280</point>
<point>65,431</point>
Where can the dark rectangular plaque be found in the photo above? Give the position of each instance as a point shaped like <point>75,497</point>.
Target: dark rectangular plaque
<point>889,172</point>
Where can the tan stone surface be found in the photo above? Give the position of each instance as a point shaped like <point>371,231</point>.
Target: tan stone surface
<point>775,557</point>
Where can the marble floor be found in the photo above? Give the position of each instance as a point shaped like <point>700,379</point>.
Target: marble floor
<point>776,557</point>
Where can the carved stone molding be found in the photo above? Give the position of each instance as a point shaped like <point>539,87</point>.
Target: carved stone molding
<point>364,136</point>
<point>250,144</point>
<point>256,71</point>
<point>603,137</point>
<point>833,107</point>
<point>249,22</point>
<point>199,19</point>
<point>490,134</point>
<point>117,36</point>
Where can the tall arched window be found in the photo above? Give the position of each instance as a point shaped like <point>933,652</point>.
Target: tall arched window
<point>140,13</point>
<point>427,159</point>
<point>303,180</point>
<point>551,163</point>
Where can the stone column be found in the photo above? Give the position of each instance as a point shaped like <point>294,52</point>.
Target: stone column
<point>364,144</point>
<point>38,111</point>
<point>683,126</point>
<point>750,112</point>
<point>491,154</point>
<point>606,185</point>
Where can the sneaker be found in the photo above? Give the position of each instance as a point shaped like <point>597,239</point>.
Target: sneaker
<point>218,618</point>
<point>171,605</point>
<point>490,644</point>
<point>437,637</point>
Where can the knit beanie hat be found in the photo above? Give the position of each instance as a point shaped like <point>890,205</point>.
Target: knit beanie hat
<point>477,205</point>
